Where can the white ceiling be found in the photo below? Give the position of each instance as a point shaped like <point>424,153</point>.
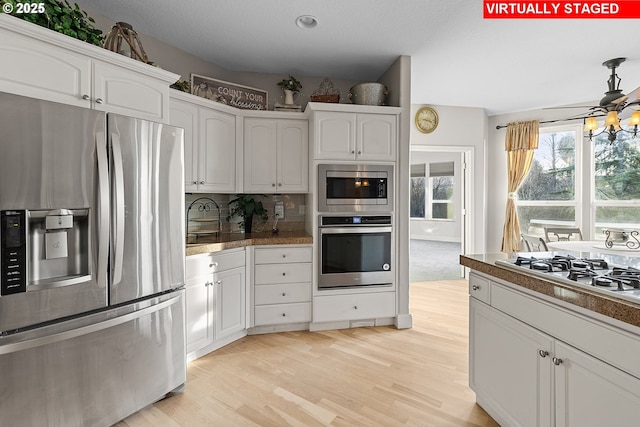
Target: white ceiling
<point>457,57</point>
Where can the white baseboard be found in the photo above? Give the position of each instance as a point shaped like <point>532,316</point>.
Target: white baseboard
<point>404,321</point>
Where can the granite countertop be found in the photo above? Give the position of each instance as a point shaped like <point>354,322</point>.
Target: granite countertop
<point>610,306</point>
<point>238,240</point>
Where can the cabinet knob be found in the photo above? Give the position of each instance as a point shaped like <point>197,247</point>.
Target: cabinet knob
<point>213,264</point>
<point>219,282</point>
<point>543,353</point>
<point>195,182</point>
<point>86,97</point>
<point>284,274</point>
<point>355,307</point>
<point>99,101</point>
<point>279,184</point>
<point>556,361</point>
<point>353,151</point>
<point>359,152</point>
<point>284,255</point>
<point>283,294</point>
<point>273,184</point>
<point>475,287</point>
<point>201,182</point>
<point>284,314</point>
<point>208,284</point>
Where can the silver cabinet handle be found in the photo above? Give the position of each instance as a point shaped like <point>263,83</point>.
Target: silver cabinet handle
<point>218,282</point>
<point>543,353</point>
<point>556,361</point>
<point>208,284</point>
<point>475,287</point>
<point>201,182</point>
<point>213,264</point>
<point>99,101</point>
<point>86,97</point>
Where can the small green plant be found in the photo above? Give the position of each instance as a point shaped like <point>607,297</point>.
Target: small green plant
<point>245,207</point>
<point>291,84</point>
<point>60,16</point>
<point>182,85</point>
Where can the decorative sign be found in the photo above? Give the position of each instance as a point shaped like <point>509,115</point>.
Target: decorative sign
<point>238,96</point>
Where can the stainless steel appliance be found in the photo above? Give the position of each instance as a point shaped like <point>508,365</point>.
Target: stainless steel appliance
<point>355,251</point>
<point>605,274</point>
<point>355,188</point>
<point>92,274</point>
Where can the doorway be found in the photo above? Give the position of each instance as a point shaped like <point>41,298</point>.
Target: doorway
<point>439,200</point>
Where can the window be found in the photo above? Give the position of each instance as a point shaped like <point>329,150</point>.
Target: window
<point>439,204</point>
<point>549,194</point>
<point>616,183</point>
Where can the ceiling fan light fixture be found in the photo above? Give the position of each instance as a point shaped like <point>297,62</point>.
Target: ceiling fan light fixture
<point>612,120</point>
<point>590,124</point>
<point>635,119</point>
<point>306,22</point>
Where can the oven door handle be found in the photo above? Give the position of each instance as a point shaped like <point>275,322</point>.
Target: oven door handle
<point>354,230</point>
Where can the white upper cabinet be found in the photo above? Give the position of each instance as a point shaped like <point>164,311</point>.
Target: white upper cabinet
<point>355,136</point>
<point>44,64</point>
<point>276,155</point>
<point>209,145</point>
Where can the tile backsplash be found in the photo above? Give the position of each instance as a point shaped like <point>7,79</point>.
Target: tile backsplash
<point>203,214</point>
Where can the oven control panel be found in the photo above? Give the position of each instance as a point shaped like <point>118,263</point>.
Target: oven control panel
<point>355,220</point>
<point>14,252</point>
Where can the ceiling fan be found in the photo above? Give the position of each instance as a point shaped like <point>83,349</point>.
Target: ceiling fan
<point>613,102</point>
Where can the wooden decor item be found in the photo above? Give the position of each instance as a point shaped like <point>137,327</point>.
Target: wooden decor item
<point>123,31</point>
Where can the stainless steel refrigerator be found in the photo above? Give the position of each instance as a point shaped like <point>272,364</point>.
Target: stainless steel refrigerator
<point>92,258</point>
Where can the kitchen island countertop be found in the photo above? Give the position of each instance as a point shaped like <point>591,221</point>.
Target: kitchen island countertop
<point>609,306</point>
<point>239,240</point>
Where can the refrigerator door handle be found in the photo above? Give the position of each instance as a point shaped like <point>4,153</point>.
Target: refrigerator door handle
<point>118,197</point>
<point>103,209</point>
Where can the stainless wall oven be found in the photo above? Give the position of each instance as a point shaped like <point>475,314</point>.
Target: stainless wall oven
<point>355,188</point>
<point>355,251</point>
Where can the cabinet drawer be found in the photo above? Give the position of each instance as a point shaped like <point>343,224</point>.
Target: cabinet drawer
<point>214,262</point>
<point>479,288</point>
<point>352,307</point>
<point>281,294</point>
<point>271,274</point>
<point>282,313</point>
<point>282,255</point>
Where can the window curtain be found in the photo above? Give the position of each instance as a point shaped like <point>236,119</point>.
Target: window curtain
<point>520,144</point>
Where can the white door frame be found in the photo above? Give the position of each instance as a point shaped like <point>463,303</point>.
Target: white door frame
<point>467,154</point>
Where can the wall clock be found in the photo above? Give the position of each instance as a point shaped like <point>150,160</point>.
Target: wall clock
<point>426,120</point>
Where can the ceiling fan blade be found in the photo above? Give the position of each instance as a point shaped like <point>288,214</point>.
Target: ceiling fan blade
<point>632,96</point>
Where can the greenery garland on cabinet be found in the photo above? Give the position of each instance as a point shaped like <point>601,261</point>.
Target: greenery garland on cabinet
<point>56,15</point>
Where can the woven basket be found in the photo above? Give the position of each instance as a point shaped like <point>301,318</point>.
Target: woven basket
<point>325,98</point>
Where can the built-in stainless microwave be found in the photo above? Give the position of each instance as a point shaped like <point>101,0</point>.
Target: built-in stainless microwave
<point>355,188</point>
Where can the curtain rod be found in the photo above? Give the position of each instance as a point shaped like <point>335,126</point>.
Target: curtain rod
<point>558,120</point>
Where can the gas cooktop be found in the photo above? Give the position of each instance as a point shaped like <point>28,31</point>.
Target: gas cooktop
<point>596,274</point>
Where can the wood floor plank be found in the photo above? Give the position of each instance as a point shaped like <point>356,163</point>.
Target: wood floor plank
<point>372,376</point>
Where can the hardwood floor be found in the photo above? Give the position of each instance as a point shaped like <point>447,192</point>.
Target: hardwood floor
<point>357,377</point>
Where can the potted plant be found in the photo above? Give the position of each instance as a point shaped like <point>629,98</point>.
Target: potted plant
<point>290,87</point>
<point>246,206</point>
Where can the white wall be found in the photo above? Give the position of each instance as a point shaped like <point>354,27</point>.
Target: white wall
<point>439,230</point>
<point>463,127</point>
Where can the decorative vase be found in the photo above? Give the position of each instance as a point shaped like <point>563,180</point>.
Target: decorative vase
<point>288,97</point>
<point>248,222</point>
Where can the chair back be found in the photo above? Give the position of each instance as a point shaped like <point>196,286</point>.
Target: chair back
<point>562,234</point>
<point>534,243</point>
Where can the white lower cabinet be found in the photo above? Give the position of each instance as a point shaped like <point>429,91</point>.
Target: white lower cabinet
<point>526,374</point>
<point>215,301</point>
<point>282,285</point>
<point>332,308</point>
